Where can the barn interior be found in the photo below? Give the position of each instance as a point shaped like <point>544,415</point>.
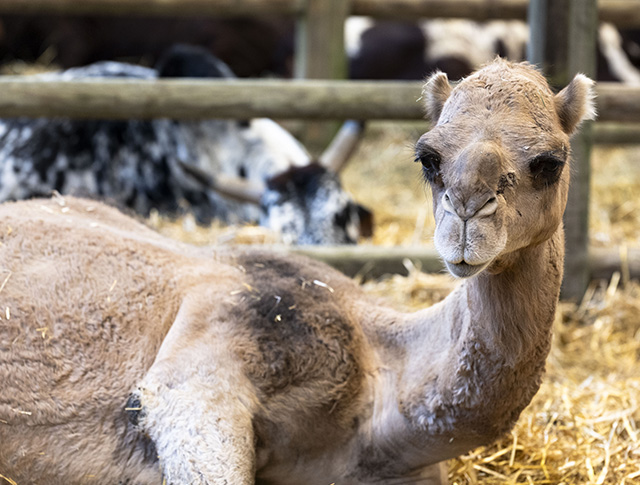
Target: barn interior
<point>583,426</point>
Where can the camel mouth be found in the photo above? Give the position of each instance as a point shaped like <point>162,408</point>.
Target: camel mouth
<point>464,269</point>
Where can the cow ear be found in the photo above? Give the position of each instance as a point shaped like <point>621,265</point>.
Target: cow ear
<point>434,93</point>
<point>576,103</point>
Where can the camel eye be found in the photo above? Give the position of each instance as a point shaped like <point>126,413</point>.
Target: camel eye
<point>430,160</point>
<point>545,170</point>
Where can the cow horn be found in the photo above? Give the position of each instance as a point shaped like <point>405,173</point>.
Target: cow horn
<point>341,148</point>
<point>231,187</point>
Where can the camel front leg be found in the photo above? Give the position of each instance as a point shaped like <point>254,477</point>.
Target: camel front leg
<point>202,435</point>
<point>196,404</point>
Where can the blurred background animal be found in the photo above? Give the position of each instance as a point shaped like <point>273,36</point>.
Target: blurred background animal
<point>253,47</point>
<point>217,168</point>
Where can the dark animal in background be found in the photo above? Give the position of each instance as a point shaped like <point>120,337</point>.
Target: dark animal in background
<point>618,54</point>
<point>411,50</point>
<point>250,47</point>
<point>386,50</point>
<point>631,44</point>
<point>176,166</point>
<point>265,47</point>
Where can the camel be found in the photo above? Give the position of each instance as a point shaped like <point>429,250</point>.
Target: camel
<point>126,357</point>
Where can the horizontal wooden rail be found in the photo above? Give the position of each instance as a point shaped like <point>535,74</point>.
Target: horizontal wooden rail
<point>199,99</point>
<point>612,133</point>
<point>372,261</point>
<point>470,9</point>
<point>618,102</point>
<point>376,261</point>
<point>625,13</point>
<point>193,99</point>
<point>185,8</point>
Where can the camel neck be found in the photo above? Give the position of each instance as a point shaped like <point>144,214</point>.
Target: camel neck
<point>473,362</point>
<point>511,312</point>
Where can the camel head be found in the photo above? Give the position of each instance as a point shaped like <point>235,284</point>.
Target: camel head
<point>497,161</point>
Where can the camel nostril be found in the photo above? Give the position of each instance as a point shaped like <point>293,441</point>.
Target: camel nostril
<point>468,207</point>
<point>447,204</point>
<point>489,207</point>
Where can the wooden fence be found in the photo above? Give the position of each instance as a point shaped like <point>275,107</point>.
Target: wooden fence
<point>623,13</point>
<point>247,98</point>
<point>376,261</point>
<point>320,55</point>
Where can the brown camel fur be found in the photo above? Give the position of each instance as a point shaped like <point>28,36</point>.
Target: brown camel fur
<point>126,357</point>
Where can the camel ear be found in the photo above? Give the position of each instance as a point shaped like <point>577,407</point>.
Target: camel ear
<point>435,92</point>
<point>576,103</point>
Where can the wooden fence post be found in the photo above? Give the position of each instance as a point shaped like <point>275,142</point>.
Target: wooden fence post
<point>320,54</point>
<point>563,42</point>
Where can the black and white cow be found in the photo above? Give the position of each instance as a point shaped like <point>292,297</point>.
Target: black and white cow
<point>173,166</point>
